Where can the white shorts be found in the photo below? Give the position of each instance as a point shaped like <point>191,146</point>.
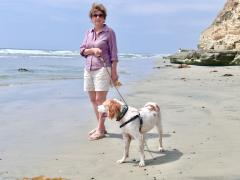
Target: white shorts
<point>98,80</point>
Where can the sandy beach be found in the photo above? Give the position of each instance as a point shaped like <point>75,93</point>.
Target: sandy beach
<point>200,115</point>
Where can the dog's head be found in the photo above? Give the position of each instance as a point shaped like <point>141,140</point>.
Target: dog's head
<point>112,107</point>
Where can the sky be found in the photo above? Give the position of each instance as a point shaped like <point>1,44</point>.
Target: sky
<point>141,26</point>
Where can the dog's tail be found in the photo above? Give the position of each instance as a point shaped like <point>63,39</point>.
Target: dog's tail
<point>153,107</point>
<point>158,111</point>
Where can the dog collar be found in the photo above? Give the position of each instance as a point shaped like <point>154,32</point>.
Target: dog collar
<point>123,112</point>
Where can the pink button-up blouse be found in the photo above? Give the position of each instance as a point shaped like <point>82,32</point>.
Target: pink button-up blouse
<point>106,41</point>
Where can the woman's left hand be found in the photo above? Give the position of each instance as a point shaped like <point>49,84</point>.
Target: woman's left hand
<point>114,77</point>
<point>114,74</point>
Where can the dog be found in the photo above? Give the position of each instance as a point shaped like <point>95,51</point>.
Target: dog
<point>142,121</point>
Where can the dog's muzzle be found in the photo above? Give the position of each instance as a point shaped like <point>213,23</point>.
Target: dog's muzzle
<point>102,109</point>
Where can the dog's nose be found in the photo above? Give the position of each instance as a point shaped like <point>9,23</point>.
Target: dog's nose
<point>104,115</point>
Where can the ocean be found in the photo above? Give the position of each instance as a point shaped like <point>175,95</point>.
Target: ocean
<point>36,74</point>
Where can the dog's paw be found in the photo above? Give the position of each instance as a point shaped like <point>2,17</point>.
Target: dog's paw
<point>120,161</point>
<point>141,164</point>
<point>161,149</point>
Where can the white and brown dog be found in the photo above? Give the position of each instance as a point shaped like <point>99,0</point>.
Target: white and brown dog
<point>134,123</point>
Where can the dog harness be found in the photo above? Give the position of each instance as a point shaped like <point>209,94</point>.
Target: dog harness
<point>132,119</point>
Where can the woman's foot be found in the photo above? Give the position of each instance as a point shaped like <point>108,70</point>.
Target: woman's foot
<point>97,135</point>
<point>94,130</point>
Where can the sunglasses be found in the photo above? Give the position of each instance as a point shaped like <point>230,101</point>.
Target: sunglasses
<point>98,15</point>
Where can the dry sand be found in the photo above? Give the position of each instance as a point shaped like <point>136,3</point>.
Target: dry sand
<point>201,123</point>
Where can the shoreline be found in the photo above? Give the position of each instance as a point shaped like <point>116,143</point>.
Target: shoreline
<point>200,115</point>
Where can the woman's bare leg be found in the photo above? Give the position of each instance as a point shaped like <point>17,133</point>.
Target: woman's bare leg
<point>97,98</point>
<point>100,98</point>
<point>92,97</point>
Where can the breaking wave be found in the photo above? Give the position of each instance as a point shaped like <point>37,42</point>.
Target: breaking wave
<point>66,54</point>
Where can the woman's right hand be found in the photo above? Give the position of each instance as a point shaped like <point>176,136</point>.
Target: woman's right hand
<point>96,52</point>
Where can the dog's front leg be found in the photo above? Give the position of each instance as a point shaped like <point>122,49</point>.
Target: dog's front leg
<point>141,150</point>
<point>127,140</point>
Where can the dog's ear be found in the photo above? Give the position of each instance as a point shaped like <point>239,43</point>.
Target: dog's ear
<point>113,108</point>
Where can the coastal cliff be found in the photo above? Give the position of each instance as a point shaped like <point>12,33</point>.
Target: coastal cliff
<point>219,44</point>
<point>224,33</point>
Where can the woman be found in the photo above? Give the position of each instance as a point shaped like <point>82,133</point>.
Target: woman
<point>99,45</point>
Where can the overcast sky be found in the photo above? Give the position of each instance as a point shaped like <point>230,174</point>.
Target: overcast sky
<point>141,26</point>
